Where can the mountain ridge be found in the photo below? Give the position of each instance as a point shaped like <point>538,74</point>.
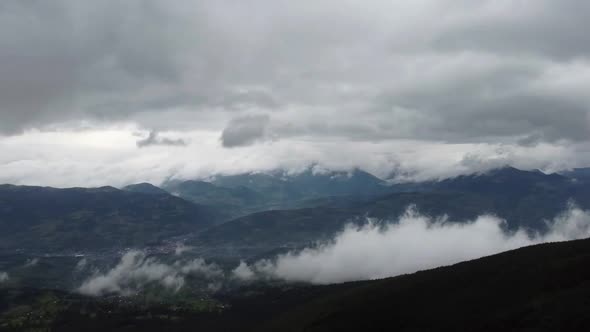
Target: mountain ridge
<point>86,218</point>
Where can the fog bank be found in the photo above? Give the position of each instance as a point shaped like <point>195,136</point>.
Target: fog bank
<point>417,242</point>
<point>136,270</point>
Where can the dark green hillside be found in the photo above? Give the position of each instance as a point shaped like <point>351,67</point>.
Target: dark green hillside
<point>523,198</point>
<point>539,288</point>
<point>92,218</point>
<point>264,231</point>
<point>145,188</point>
<point>271,229</point>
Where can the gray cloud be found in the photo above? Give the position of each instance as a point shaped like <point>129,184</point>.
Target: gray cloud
<point>530,140</point>
<point>60,60</point>
<point>415,243</point>
<point>155,139</point>
<point>544,27</point>
<point>32,262</point>
<point>372,84</point>
<point>459,71</point>
<point>245,130</point>
<point>243,272</point>
<point>111,157</point>
<point>3,277</point>
<point>136,270</point>
<point>81,265</point>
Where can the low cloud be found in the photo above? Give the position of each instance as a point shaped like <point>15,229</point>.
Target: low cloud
<point>243,272</point>
<point>110,157</point>
<point>32,262</point>
<point>181,249</point>
<point>375,250</point>
<point>81,265</point>
<point>245,130</point>
<point>136,271</point>
<point>154,138</point>
<point>416,243</point>
<point>4,277</point>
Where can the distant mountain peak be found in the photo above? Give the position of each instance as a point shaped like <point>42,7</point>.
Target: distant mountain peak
<point>511,171</point>
<point>145,188</point>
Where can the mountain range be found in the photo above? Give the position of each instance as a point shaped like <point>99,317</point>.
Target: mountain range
<point>273,210</point>
<point>206,237</point>
<point>242,194</point>
<point>51,219</point>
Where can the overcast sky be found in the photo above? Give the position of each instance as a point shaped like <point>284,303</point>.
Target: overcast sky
<point>113,92</point>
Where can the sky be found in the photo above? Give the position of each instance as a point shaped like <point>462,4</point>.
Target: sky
<point>116,92</point>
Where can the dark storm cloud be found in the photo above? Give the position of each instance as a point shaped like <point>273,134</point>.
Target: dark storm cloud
<point>461,71</point>
<point>155,139</point>
<point>244,131</point>
<point>59,59</point>
<point>473,118</point>
<point>531,140</point>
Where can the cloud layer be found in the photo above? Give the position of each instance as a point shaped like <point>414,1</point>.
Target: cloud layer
<point>244,131</point>
<point>377,250</point>
<point>154,138</point>
<point>308,79</point>
<point>426,69</point>
<point>415,243</point>
<point>136,271</point>
<point>110,157</point>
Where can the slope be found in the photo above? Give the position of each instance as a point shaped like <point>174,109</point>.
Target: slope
<point>543,287</point>
<point>72,219</point>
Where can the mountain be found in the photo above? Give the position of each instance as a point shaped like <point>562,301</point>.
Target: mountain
<point>307,184</point>
<point>300,227</point>
<point>506,180</point>
<point>242,194</point>
<point>525,199</point>
<point>540,288</point>
<point>145,188</point>
<point>266,231</point>
<point>269,211</point>
<point>48,219</point>
<point>232,202</point>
